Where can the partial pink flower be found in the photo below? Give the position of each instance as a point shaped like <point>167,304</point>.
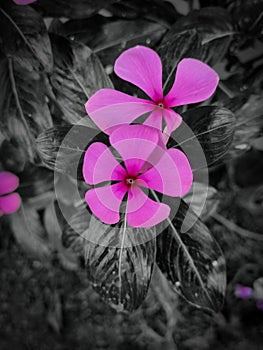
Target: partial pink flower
<point>194,82</point>
<point>9,202</point>
<point>24,2</point>
<point>243,292</point>
<point>130,175</point>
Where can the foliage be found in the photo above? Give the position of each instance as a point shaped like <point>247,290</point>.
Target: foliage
<point>47,73</point>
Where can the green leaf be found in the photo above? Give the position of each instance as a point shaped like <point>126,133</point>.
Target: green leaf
<point>77,75</point>
<point>118,267</point>
<point>24,37</point>
<point>192,261</point>
<point>23,107</point>
<point>108,37</point>
<point>213,128</point>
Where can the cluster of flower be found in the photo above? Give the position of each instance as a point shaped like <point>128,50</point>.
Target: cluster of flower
<point>146,163</point>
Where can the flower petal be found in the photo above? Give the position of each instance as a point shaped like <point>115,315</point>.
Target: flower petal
<point>142,67</point>
<point>100,165</point>
<point>10,203</point>
<point>172,175</point>
<point>135,143</point>
<point>173,120</point>
<point>109,108</point>
<point>194,82</point>
<point>155,119</point>
<point>24,2</point>
<point>148,212</point>
<point>105,202</point>
<point>8,182</point>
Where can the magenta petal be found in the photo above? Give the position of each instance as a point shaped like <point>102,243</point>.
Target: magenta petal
<point>135,143</point>
<point>172,175</point>
<point>142,67</point>
<point>155,119</point>
<point>8,182</point>
<point>100,165</point>
<point>109,108</point>
<point>10,203</point>
<point>144,212</point>
<point>24,2</point>
<point>105,202</point>
<point>173,120</point>
<point>194,82</point>
<point>243,292</point>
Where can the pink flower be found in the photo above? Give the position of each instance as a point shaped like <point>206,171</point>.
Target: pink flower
<point>260,304</point>
<point>194,82</point>
<point>9,202</point>
<point>24,2</point>
<point>169,173</point>
<point>243,292</point>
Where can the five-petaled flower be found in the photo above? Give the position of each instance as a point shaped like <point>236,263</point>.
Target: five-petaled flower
<point>145,164</point>
<point>194,82</point>
<point>9,202</point>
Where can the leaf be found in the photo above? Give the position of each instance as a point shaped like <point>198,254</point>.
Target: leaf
<point>203,200</point>
<point>35,181</point>
<point>248,126</point>
<point>23,107</point>
<point>213,128</point>
<point>258,143</point>
<point>53,222</point>
<point>71,9</point>
<point>78,74</point>
<point>24,37</point>
<point>118,267</point>
<point>192,261</point>
<point>155,10</point>
<point>62,148</point>
<point>108,37</point>
<point>248,18</point>
<point>204,34</point>
<point>30,234</point>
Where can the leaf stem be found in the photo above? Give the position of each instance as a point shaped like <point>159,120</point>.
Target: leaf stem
<point>121,252</point>
<point>226,90</point>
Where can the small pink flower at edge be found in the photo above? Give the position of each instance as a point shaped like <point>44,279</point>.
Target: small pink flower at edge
<point>9,202</point>
<point>170,174</point>
<point>195,81</point>
<point>24,2</point>
<point>243,292</point>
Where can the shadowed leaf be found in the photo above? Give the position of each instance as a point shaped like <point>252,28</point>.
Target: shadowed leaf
<point>191,259</point>
<point>204,34</point>
<point>108,37</point>
<point>62,148</point>
<point>213,128</point>
<point>78,74</point>
<point>118,267</point>
<point>30,233</point>
<point>23,107</point>
<point>71,9</point>
<point>24,37</point>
